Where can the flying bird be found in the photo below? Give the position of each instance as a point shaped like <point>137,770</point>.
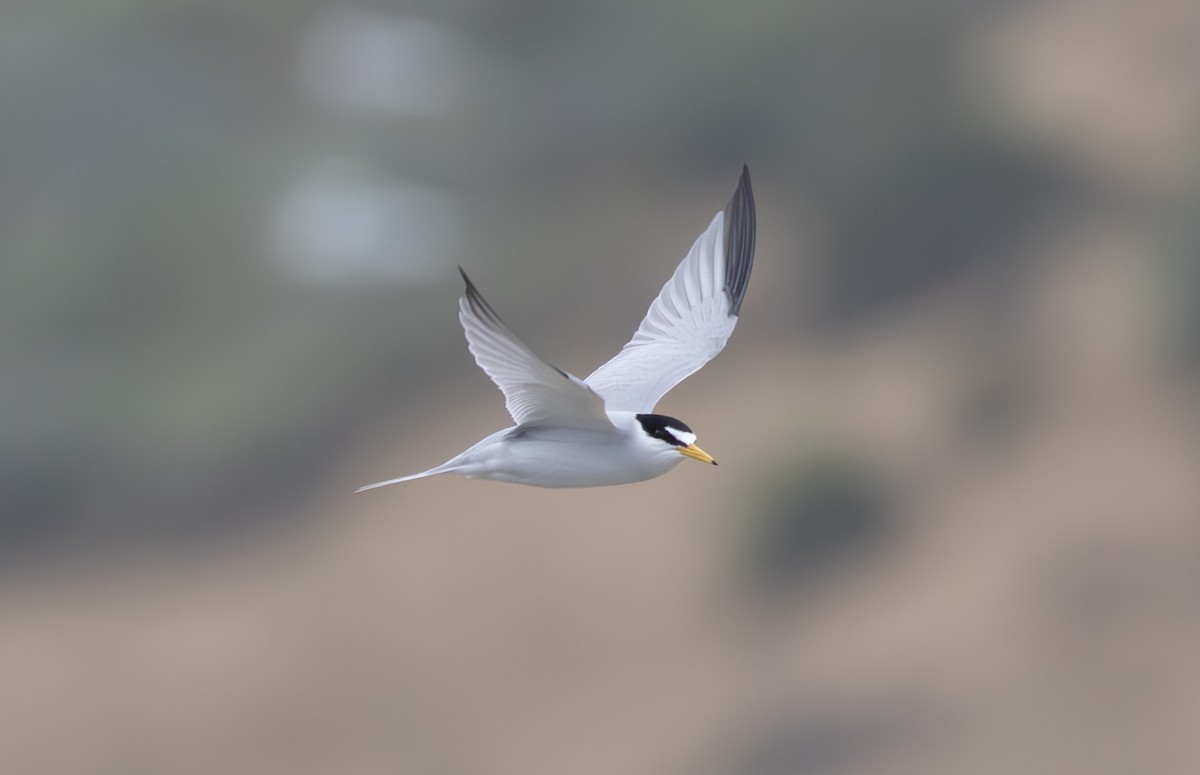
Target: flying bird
<point>572,432</point>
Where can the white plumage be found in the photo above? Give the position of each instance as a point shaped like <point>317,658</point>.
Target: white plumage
<point>600,431</point>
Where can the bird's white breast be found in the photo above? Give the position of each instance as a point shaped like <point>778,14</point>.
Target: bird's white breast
<point>567,457</point>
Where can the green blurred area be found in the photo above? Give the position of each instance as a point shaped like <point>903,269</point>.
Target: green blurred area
<point>211,264</point>
<point>954,528</point>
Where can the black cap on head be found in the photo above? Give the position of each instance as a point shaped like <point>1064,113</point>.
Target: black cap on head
<point>657,425</point>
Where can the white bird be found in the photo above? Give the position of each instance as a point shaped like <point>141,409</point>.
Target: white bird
<point>602,430</point>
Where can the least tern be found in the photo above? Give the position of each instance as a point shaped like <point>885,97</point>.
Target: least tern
<point>602,430</point>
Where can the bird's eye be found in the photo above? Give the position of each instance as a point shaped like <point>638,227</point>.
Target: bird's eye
<point>667,429</point>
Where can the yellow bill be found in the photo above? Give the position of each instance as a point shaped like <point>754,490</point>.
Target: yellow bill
<point>695,453</point>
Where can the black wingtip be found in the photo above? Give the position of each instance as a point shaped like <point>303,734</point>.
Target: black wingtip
<point>740,226</point>
<point>475,298</point>
<point>472,293</point>
<point>484,310</point>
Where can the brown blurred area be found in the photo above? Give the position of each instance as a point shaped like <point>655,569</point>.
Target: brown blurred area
<point>956,524</point>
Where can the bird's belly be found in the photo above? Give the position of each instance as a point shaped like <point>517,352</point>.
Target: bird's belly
<point>563,460</point>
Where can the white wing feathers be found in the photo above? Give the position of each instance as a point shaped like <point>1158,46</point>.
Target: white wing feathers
<point>535,393</point>
<point>693,316</point>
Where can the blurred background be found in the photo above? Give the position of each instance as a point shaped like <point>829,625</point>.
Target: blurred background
<point>956,526</point>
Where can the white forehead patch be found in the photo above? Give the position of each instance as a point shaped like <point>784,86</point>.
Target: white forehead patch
<point>685,437</point>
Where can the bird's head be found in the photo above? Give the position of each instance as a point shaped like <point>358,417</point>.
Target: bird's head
<point>675,434</point>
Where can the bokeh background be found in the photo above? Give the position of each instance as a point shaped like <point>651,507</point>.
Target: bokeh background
<point>956,525</point>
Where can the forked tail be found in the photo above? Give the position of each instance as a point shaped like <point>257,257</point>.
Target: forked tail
<point>442,469</point>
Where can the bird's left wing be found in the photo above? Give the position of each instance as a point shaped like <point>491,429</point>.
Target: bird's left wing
<point>692,317</point>
<point>535,393</point>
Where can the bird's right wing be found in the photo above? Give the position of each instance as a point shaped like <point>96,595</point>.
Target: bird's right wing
<point>693,316</point>
<point>535,393</point>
